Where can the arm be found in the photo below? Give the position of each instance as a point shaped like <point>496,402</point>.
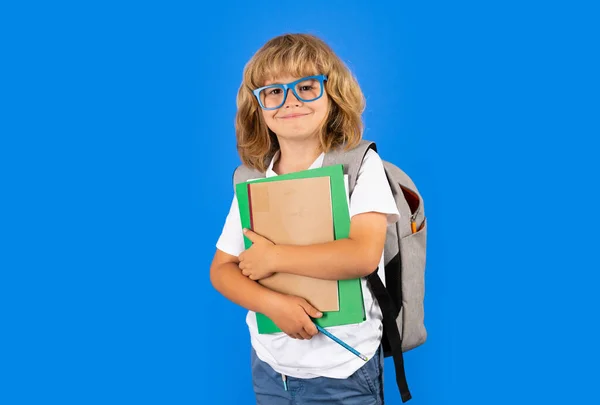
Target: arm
<point>227,278</point>
<point>356,256</point>
<point>225,274</point>
<point>291,314</point>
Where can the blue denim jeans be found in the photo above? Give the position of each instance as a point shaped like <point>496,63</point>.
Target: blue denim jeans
<point>364,387</point>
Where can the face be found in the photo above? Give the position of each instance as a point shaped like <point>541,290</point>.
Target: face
<point>295,119</point>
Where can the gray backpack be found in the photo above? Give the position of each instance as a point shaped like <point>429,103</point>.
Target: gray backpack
<point>401,299</point>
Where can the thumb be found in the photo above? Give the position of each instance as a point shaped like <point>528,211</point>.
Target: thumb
<point>251,235</point>
<point>310,310</point>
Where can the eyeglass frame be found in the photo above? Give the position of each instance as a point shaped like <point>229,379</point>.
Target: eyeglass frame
<point>292,86</point>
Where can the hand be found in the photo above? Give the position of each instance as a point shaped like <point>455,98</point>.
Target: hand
<point>293,316</point>
<point>256,262</point>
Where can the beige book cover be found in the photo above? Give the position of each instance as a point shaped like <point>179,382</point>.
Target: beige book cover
<point>296,212</point>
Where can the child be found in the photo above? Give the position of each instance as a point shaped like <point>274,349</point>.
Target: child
<point>286,129</point>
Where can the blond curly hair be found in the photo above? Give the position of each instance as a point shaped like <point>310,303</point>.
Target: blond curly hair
<point>297,55</point>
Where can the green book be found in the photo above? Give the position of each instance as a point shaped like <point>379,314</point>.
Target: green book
<point>350,291</point>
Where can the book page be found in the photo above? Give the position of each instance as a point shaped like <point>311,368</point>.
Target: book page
<point>296,212</point>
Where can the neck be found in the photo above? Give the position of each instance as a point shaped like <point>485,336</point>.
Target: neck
<point>295,156</point>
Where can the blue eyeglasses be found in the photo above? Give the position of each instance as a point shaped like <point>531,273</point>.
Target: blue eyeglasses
<point>273,96</point>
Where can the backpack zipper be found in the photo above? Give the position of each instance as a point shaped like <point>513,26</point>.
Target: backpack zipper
<point>413,220</point>
<point>413,223</point>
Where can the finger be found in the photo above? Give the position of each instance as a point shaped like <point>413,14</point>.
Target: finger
<point>246,272</point>
<point>261,276</point>
<point>305,335</point>
<point>299,336</point>
<point>251,235</point>
<point>310,310</point>
<point>311,329</point>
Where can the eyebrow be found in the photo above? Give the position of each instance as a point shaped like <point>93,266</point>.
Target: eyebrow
<point>270,82</point>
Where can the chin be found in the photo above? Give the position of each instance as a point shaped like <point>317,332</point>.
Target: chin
<point>296,136</point>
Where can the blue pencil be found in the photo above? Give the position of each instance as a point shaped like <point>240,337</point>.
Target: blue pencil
<point>341,342</point>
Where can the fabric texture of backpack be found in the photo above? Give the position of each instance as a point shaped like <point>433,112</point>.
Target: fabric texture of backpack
<point>402,297</point>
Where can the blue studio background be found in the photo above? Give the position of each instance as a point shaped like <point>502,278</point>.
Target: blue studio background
<point>117,149</point>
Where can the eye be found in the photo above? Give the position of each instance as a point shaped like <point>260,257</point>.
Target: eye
<point>306,88</point>
<point>274,91</point>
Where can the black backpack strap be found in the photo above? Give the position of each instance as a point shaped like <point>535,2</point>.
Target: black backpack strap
<point>390,312</point>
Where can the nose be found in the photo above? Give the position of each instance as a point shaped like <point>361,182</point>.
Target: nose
<point>291,100</point>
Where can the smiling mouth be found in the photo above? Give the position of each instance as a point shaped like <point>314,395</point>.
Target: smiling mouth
<point>293,116</point>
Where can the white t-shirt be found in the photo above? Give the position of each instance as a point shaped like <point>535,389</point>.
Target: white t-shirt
<point>321,356</point>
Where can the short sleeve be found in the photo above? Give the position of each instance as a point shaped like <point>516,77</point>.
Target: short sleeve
<point>372,192</point>
<point>231,240</point>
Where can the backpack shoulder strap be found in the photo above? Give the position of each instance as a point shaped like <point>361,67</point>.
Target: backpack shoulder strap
<point>244,173</point>
<point>351,159</point>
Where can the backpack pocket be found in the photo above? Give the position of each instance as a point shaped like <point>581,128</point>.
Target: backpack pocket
<point>411,318</point>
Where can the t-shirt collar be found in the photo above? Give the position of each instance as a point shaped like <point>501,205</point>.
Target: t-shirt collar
<point>316,164</point>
